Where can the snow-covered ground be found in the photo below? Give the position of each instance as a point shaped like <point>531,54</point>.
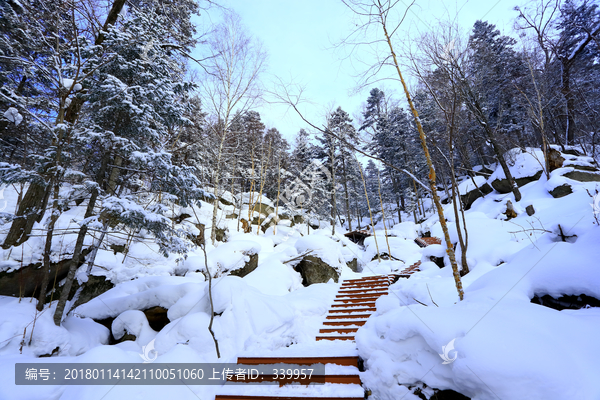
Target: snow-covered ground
<point>496,343</point>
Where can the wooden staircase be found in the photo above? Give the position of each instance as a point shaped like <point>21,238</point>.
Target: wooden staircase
<point>353,305</point>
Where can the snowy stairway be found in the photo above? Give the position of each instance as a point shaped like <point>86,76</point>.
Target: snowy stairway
<point>352,306</point>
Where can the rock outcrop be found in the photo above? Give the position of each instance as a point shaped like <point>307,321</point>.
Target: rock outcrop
<point>503,186</point>
<point>247,268</point>
<point>315,270</point>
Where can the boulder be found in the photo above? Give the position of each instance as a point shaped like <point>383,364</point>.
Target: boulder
<point>583,176</point>
<point>117,248</point>
<point>555,159</point>
<point>315,270</point>
<point>220,234</point>
<point>503,186</point>
<point>157,317</point>
<point>561,191</point>
<point>566,302</point>
<point>247,268</point>
<point>353,265</point>
<point>225,201</point>
<point>24,281</point>
<point>469,198</point>
<point>530,210</point>
<point>264,209</point>
<point>94,287</point>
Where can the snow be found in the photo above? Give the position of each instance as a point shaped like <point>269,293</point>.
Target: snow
<point>323,247</point>
<point>471,184</point>
<point>68,84</point>
<point>12,114</point>
<point>521,163</point>
<point>505,346</point>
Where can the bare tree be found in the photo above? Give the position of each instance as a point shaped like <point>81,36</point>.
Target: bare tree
<point>562,31</point>
<point>231,86</point>
<point>379,13</point>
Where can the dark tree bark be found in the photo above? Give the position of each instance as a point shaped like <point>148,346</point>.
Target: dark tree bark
<point>31,209</point>
<point>64,295</point>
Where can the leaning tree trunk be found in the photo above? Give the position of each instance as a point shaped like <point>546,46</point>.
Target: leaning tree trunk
<point>64,295</point>
<point>500,157</point>
<point>434,194</point>
<point>31,209</point>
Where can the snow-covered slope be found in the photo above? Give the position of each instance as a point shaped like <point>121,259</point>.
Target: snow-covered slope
<point>494,344</point>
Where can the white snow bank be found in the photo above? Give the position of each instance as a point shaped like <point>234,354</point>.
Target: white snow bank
<point>405,250</point>
<point>506,347</point>
<point>468,185</point>
<point>13,115</point>
<point>521,164</point>
<point>323,247</point>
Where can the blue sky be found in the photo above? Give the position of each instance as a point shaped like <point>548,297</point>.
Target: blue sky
<point>299,36</point>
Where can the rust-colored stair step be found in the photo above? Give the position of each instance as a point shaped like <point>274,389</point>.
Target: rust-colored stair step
<point>367,283</point>
<point>381,284</point>
<point>358,300</point>
<point>369,304</point>
<point>344,360</point>
<point>367,278</point>
<point>359,295</point>
<point>374,290</point>
<point>335,337</point>
<point>338,330</point>
<point>351,310</point>
<point>347,316</point>
<point>344,323</point>
<point>241,397</point>
<point>362,287</point>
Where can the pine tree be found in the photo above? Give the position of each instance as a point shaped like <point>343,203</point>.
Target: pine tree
<point>132,106</point>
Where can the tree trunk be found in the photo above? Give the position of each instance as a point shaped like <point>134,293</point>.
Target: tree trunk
<point>569,103</point>
<point>213,228</point>
<point>48,250</point>
<point>333,202</point>
<point>31,210</point>
<point>210,299</point>
<point>436,199</point>
<point>500,157</point>
<point>64,295</point>
<point>347,195</point>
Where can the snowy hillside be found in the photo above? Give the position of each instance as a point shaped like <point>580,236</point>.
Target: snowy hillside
<point>496,342</point>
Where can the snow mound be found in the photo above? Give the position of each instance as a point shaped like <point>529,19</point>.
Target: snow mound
<point>521,163</point>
